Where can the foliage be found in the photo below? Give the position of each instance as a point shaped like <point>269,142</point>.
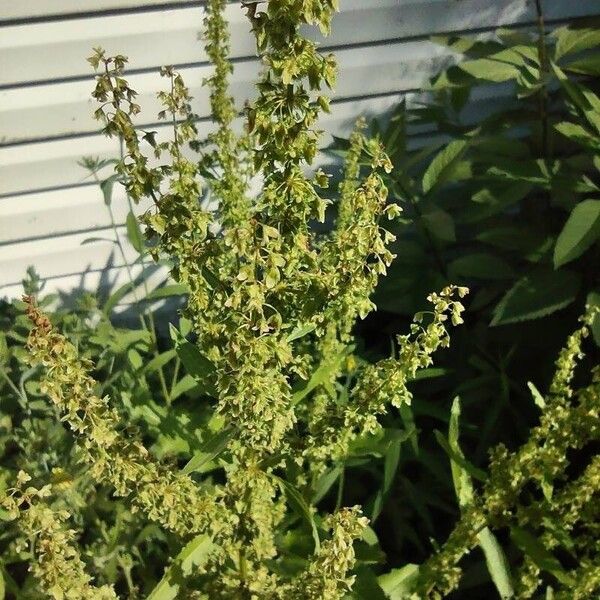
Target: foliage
<point>270,306</point>
<point>229,458</point>
<point>496,197</point>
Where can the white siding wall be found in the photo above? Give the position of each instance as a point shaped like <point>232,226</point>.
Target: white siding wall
<point>48,206</point>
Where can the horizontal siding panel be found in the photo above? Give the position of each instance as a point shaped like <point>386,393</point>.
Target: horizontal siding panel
<point>42,165</point>
<point>36,9</point>
<point>66,255</point>
<point>59,212</point>
<point>63,255</point>
<point>66,109</point>
<point>51,164</point>
<point>171,36</point>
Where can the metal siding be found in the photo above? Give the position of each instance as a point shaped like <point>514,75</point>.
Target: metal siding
<point>48,205</point>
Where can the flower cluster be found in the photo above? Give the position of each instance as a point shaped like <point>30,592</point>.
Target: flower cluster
<point>57,565</point>
<point>569,421</point>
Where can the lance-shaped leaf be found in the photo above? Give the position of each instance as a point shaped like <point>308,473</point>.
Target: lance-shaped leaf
<point>193,555</point>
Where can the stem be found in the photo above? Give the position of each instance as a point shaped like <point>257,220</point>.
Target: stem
<point>427,234</point>
<point>15,389</point>
<point>175,374</point>
<point>544,69</point>
<point>243,572</point>
<point>149,327</point>
<point>340,491</point>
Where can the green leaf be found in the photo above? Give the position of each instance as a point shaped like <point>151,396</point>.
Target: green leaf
<point>390,465</point>
<point>471,469</point>
<point>93,240</point>
<point>398,584</point>
<point>480,265</point>
<point>175,289</point>
<point>440,224</point>
<point>195,363</point>
<point>366,586</point>
<point>490,70</point>
<point>514,238</point>
<point>320,376</point>
<point>497,564</point>
<point>209,450</point>
<point>116,297</point>
<point>581,230</point>
<point>494,555</point>
<point>2,584</point>
<point>300,507</point>
<point>462,482</point>
<point>185,384</point>
<point>583,99</point>
<point>441,168</point>
<point>572,40</point>
<point>3,348</point>
<point>325,482</point>
<point>578,134</point>
<point>590,65</point>
<point>159,361</point>
<point>536,295</point>
<point>538,399</point>
<point>536,551</point>
<point>430,373</point>
<point>134,233</point>
<point>300,332</point>
<point>135,359</point>
<point>193,555</point>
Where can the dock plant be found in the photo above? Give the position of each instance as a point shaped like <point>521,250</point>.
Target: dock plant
<point>270,304</point>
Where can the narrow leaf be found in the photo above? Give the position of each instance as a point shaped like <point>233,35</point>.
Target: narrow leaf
<point>321,375</point>
<point>497,564</point>
<point>398,584</point>
<point>537,295</point>
<point>480,265</point>
<point>593,299</point>
<point>581,230</point>
<point>185,384</point>
<point>572,40</point>
<point>462,482</point>
<point>159,361</point>
<point>538,399</point>
<point>175,289</point>
<point>116,297</point>
<point>210,450</point>
<point>299,332</point>
<point>94,240</point>
<point>193,555</point>
<point>471,469</point>
<point>195,363</point>
<point>107,188</point>
<point>440,224</point>
<point>441,167</point>
<point>325,482</point>
<point>299,505</point>
<point>536,551</point>
<point>494,555</point>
